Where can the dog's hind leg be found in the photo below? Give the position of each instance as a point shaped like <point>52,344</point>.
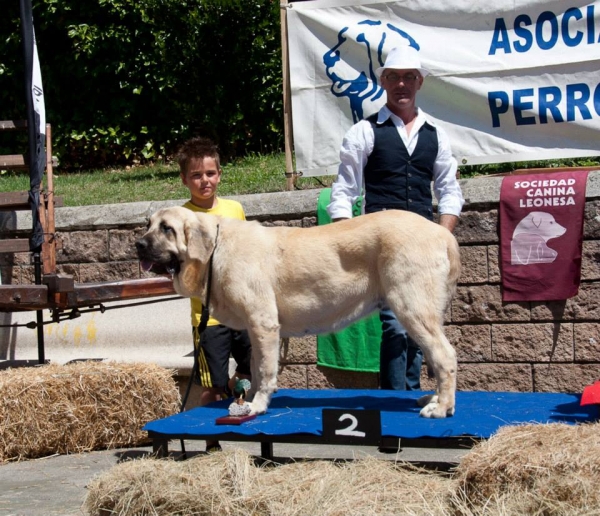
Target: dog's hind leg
<point>265,365</point>
<point>424,325</point>
<point>441,357</point>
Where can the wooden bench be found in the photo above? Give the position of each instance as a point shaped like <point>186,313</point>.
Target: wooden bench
<point>19,201</point>
<point>52,290</point>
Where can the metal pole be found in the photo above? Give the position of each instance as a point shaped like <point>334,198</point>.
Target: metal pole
<point>37,267</point>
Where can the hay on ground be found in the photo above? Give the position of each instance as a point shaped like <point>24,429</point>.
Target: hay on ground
<point>82,406</point>
<point>535,469</point>
<point>230,483</point>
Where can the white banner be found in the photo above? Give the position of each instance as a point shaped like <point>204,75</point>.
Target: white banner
<point>37,92</point>
<point>511,80</point>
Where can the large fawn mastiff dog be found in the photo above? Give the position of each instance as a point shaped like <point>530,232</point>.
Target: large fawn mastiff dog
<point>284,281</point>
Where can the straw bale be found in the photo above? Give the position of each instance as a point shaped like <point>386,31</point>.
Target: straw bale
<point>535,469</point>
<point>231,483</point>
<point>532,469</point>
<point>81,406</point>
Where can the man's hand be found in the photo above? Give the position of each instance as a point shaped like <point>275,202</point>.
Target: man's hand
<point>449,222</point>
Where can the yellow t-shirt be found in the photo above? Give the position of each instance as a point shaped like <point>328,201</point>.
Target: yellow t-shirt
<point>224,208</point>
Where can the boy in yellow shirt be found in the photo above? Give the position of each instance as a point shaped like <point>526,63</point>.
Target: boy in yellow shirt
<point>200,171</point>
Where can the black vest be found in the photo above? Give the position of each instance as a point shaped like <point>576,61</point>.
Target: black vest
<point>393,178</point>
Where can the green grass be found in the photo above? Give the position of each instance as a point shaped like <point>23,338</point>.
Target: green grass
<point>253,174</point>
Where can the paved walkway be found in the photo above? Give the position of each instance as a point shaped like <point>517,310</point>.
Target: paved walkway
<point>56,485</point>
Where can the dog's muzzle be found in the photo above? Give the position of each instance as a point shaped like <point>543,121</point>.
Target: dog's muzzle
<point>158,263</point>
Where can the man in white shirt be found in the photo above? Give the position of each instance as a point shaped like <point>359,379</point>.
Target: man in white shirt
<point>392,158</point>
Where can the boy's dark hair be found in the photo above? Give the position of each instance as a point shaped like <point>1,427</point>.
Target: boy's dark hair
<point>194,148</point>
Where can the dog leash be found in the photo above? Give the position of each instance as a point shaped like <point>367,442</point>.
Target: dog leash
<point>201,327</point>
<point>204,317</point>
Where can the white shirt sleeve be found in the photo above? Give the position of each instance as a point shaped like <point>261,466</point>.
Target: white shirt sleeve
<point>348,186</point>
<point>445,185</point>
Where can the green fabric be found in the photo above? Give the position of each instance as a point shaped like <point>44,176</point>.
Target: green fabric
<point>355,348</point>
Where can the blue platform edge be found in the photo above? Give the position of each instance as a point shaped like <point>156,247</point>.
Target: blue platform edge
<point>299,411</point>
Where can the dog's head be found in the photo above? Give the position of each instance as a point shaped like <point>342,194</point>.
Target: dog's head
<point>539,223</point>
<point>175,238</point>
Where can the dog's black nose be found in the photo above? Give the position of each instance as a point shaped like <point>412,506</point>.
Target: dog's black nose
<point>141,245</point>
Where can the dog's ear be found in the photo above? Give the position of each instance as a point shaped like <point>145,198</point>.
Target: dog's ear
<point>536,219</point>
<point>200,235</point>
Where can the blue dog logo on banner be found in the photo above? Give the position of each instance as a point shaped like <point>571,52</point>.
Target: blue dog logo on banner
<point>351,64</point>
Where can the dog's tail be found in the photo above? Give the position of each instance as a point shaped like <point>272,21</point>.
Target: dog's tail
<point>454,260</point>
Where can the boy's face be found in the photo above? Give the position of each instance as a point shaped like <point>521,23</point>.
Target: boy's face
<point>202,177</point>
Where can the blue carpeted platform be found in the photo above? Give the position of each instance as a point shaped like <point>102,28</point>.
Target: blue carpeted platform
<point>299,412</point>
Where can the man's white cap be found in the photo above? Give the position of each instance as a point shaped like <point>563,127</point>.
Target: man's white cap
<point>404,57</point>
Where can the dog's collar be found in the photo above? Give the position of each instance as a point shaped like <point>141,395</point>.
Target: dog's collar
<point>205,315</point>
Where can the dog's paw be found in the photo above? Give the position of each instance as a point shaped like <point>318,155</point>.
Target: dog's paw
<point>436,411</point>
<point>427,399</point>
<point>256,409</point>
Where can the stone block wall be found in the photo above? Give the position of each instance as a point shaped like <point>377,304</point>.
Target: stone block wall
<point>534,346</point>
<point>531,346</point>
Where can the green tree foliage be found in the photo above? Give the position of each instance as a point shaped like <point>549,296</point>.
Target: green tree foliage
<point>128,80</point>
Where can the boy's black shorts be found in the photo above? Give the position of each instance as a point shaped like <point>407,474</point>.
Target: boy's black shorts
<point>217,344</point>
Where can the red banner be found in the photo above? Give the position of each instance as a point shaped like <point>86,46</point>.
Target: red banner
<point>541,233</point>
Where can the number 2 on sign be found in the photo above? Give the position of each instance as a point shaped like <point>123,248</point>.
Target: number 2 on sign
<point>351,428</point>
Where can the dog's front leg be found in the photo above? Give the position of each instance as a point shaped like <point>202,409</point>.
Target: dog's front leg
<point>265,365</point>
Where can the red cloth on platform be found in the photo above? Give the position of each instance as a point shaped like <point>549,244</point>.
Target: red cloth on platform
<point>591,394</point>
<point>541,233</point>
